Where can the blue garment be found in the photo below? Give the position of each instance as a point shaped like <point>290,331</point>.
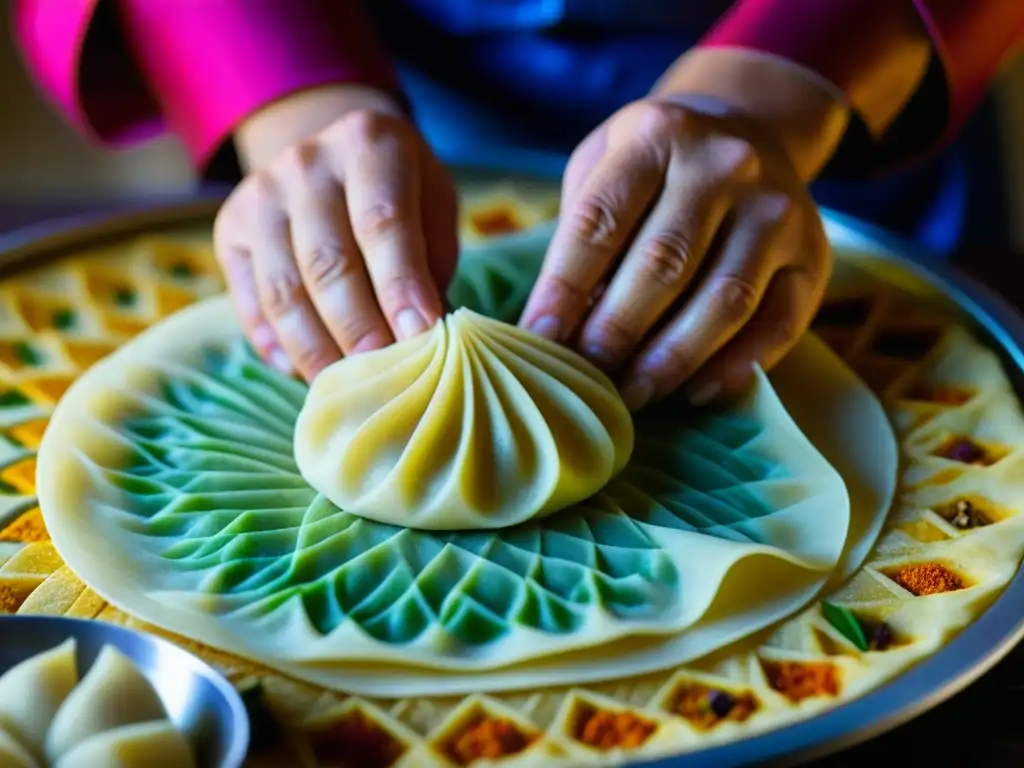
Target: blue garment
<point>516,84</point>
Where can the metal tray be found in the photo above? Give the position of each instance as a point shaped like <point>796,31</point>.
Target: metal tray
<point>968,656</point>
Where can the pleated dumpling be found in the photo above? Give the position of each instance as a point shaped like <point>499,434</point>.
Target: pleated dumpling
<point>112,694</point>
<point>156,744</point>
<point>32,692</point>
<point>475,424</point>
<point>13,754</point>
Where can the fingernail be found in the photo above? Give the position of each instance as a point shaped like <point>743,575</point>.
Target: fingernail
<point>702,394</point>
<point>549,327</point>
<point>598,355</point>
<point>279,361</point>
<point>638,393</point>
<point>410,323</point>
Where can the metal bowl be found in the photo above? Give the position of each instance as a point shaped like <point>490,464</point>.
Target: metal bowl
<point>200,703</point>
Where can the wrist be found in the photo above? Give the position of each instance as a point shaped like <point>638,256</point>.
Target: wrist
<point>265,133</point>
<point>803,112</point>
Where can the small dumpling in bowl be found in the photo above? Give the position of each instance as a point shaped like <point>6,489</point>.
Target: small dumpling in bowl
<point>112,694</point>
<point>32,692</point>
<point>474,424</point>
<point>13,754</point>
<point>156,744</point>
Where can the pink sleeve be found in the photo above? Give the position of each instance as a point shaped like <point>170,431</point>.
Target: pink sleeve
<point>834,38</point>
<point>197,68</point>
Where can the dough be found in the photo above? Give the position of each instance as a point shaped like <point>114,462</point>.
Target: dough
<point>474,424</point>
<point>112,694</point>
<point>156,744</point>
<point>33,691</point>
<point>13,754</point>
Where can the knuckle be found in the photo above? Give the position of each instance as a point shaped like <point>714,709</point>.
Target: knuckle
<point>666,258</point>
<point>312,359</point>
<point>736,297</point>
<point>612,334</point>
<point>737,157</point>
<point>655,120</point>
<point>397,294</point>
<point>562,293</point>
<point>775,209</point>
<point>382,220</point>
<point>281,291</point>
<point>668,362</point>
<point>327,263</point>
<point>593,223</point>
<point>300,159</point>
<point>370,126</point>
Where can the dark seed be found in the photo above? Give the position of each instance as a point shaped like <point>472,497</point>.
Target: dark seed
<point>965,451</point>
<point>721,703</point>
<point>124,297</point>
<point>63,319</point>
<point>881,637</point>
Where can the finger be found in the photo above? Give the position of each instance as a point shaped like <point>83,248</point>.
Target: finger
<point>724,301</point>
<point>440,206</point>
<point>591,232</point>
<point>383,188</point>
<point>236,265</point>
<point>783,317</point>
<point>700,187</point>
<point>305,343</point>
<point>328,258</point>
<point>581,163</point>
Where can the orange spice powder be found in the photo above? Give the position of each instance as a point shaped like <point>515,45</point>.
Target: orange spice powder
<point>927,579</point>
<point>608,730</point>
<point>490,738</point>
<point>28,528</point>
<point>798,680</point>
<point>10,601</point>
<point>705,707</point>
<point>355,740</point>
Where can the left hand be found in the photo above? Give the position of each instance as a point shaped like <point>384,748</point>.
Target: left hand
<point>688,249</point>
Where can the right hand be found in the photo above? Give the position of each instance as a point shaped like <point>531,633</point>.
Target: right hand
<point>342,243</point>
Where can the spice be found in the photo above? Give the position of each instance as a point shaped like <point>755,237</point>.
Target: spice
<point>963,514</point>
<point>799,680</point>
<point>27,528</point>
<point>497,221</point>
<point>124,297</point>
<point>846,623</point>
<point>10,601</point>
<point>22,475</point>
<point>62,319</point>
<point>30,433</point>
<point>607,730</point>
<point>927,579</point>
<point>27,354</point>
<point>940,395</point>
<point>706,707</point>
<point>491,738</point>
<point>357,741</point>
<point>12,398</point>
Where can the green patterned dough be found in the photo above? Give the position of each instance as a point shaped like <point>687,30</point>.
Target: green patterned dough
<point>215,489</point>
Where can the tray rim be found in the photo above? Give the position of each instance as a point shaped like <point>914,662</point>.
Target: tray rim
<point>930,682</point>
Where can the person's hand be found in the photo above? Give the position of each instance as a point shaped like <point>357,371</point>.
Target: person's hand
<point>342,243</point>
<point>687,249</point>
